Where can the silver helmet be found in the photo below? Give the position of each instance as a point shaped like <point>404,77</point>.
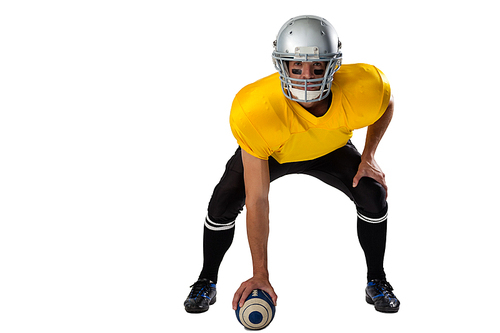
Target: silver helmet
<point>310,39</point>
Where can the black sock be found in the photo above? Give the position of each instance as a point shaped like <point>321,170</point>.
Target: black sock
<point>215,246</point>
<point>372,237</point>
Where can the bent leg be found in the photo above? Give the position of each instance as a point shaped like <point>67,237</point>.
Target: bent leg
<point>338,170</point>
<point>226,203</point>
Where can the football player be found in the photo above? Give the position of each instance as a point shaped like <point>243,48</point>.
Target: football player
<point>300,120</point>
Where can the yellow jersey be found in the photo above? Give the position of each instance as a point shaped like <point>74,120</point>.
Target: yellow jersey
<point>266,123</point>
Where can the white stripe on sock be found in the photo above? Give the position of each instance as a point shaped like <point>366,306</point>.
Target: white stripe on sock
<point>371,220</point>
<point>218,226</point>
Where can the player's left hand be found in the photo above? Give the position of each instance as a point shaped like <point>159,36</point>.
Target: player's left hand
<point>370,168</point>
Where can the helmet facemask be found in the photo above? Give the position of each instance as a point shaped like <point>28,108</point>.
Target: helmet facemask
<point>301,31</point>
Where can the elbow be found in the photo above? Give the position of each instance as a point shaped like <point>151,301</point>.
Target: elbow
<point>258,203</point>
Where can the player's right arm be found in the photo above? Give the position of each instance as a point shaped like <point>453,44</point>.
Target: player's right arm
<point>257,183</point>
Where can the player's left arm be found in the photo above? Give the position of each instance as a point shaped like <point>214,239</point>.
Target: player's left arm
<point>368,166</point>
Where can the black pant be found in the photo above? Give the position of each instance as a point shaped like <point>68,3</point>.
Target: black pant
<point>336,169</point>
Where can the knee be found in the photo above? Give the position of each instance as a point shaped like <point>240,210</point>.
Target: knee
<point>369,197</point>
<point>225,212</point>
<point>227,202</point>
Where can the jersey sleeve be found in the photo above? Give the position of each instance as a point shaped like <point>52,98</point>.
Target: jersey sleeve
<point>245,133</point>
<point>366,99</point>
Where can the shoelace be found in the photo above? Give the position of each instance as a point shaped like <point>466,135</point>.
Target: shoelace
<point>385,288</point>
<point>199,286</point>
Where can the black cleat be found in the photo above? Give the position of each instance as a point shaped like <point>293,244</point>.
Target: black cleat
<point>379,293</point>
<point>201,297</point>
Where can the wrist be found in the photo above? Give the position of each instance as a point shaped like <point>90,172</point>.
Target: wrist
<point>261,273</point>
<point>368,155</point>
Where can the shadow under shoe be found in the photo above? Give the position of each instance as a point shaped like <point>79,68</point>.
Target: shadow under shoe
<point>200,298</point>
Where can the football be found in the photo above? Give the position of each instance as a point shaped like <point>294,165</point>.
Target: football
<point>257,312</point>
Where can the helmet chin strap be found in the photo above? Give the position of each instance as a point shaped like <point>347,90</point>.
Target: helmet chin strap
<point>301,94</point>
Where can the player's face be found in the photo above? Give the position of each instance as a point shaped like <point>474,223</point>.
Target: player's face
<point>306,71</point>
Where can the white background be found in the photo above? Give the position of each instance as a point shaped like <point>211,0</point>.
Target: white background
<point>114,131</point>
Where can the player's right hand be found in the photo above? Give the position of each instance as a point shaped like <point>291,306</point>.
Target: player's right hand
<point>250,285</point>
